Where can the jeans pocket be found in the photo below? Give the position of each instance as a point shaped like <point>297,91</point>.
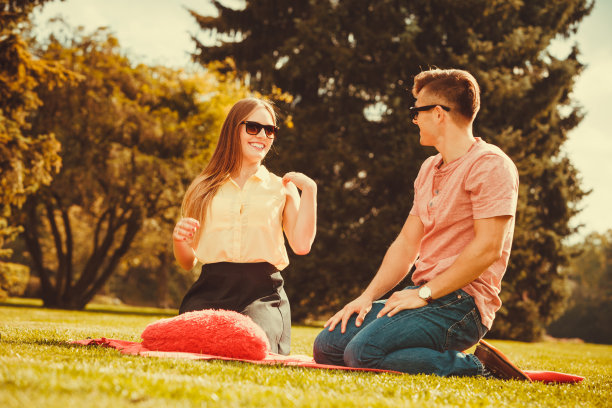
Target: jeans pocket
<point>464,333</point>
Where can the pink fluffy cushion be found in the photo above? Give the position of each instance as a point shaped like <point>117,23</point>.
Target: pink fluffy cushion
<point>218,332</point>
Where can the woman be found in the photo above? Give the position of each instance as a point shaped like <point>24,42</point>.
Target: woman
<point>234,214</point>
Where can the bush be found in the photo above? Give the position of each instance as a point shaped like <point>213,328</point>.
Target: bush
<point>589,321</point>
<point>13,279</point>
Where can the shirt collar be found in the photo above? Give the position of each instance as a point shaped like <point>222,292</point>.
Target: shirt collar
<point>262,173</point>
<point>452,165</point>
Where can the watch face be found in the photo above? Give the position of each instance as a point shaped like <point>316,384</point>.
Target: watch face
<point>424,292</point>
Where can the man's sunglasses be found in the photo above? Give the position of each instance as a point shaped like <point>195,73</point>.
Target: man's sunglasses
<point>253,128</point>
<point>414,110</point>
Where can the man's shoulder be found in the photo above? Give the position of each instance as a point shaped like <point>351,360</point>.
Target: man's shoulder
<point>491,152</point>
<point>431,161</point>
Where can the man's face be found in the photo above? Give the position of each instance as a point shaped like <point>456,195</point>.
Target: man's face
<point>427,120</point>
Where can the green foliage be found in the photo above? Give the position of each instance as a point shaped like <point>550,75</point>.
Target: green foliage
<point>28,159</point>
<point>590,306</point>
<point>39,368</point>
<point>132,138</point>
<point>348,64</point>
<point>13,279</point>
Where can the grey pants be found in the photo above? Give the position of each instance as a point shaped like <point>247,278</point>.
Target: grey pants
<point>253,289</point>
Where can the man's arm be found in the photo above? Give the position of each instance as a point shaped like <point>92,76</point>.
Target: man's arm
<point>477,256</point>
<point>395,266</point>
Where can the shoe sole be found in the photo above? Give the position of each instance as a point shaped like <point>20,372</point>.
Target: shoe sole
<point>491,351</point>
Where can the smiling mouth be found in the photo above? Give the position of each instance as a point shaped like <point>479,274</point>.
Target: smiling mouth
<point>258,146</point>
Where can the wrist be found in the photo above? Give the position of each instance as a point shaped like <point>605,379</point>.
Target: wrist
<point>310,187</point>
<point>368,296</point>
<point>424,292</point>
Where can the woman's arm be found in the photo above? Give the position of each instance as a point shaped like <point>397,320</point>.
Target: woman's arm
<point>300,214</point>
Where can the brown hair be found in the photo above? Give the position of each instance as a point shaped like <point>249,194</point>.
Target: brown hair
<point>226,159</point>
<point>459,88</point>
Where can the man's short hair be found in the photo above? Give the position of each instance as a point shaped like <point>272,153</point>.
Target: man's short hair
<point>455,86</point>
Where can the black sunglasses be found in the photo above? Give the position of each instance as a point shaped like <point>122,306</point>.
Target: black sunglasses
<point>253,128</point>
<point>414,110</point>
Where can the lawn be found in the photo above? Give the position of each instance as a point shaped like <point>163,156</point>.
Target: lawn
<point>38,368</point>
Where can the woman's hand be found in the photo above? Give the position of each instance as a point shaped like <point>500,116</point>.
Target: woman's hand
<point>300,213</point>
<point>301,181</point>
<point>185,230</point>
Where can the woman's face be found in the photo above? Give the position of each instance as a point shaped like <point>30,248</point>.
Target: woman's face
<point>255,147</point>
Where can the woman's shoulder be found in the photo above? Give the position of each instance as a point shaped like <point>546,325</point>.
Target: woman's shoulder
<point>272,182</point>
<point>274,178</point>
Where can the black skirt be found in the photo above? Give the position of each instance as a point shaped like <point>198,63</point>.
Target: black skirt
<point>253,289</point>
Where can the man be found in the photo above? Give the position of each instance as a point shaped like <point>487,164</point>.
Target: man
<point>460,228</point>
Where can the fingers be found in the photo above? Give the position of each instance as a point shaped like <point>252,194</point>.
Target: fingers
<point>341,317</point>
<point>189,222</point>
<point>185,229</point>
<point>345,318</point>
<point>333,321</point>
<point>391,308</point>
<point>390,305</point>
<point>291,176</point>
<point>357,306</point>
<point>395,310</point>
<point>361,316</point>
<point>299,179</point>
<point>384,310</point>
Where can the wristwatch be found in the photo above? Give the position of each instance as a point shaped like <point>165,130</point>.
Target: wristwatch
<point>425,293</point>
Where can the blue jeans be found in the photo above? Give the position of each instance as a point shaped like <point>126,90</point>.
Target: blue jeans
<point>428,340</point>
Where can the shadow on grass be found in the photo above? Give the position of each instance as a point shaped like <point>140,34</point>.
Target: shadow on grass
<point>43,342</point>
<point>119,310</point>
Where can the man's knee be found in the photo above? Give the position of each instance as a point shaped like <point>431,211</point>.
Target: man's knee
<point>362,354</point>
<point>325,350</point>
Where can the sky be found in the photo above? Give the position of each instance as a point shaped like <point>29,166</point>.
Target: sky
<point>159,32</point>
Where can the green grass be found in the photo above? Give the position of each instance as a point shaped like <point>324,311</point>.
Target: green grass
<point>38,368</point>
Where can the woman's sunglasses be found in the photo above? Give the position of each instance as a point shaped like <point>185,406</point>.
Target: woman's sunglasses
<point>253,128</point>
<point>414,111</point>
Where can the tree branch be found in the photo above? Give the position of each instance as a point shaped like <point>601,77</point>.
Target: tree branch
<point>132,228</point>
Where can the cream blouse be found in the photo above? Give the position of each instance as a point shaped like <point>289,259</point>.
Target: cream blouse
<point>246,225</point>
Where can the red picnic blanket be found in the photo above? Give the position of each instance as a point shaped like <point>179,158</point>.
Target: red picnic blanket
<point>296,360</point>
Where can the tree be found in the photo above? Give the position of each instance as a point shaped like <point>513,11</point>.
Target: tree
<point>27,159</point>
<point>132,137</point>
<point>348,65</point>
<point>590,305</point>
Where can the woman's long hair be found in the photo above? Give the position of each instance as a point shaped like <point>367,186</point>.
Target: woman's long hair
<point>226,159</point>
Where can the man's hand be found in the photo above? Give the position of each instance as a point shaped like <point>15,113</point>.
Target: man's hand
<point>402,300</point>
<point>361,306</point>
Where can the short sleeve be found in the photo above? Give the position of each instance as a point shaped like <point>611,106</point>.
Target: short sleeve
<point>492,184</point>
<point>418,183</point>
<point>414,210</point>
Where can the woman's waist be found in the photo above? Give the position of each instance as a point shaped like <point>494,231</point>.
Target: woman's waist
<point>238,268</point>
<point>243,254</point>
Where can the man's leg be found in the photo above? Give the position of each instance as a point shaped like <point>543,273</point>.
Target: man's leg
<point>329,346</point>
<point>427,340</point>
